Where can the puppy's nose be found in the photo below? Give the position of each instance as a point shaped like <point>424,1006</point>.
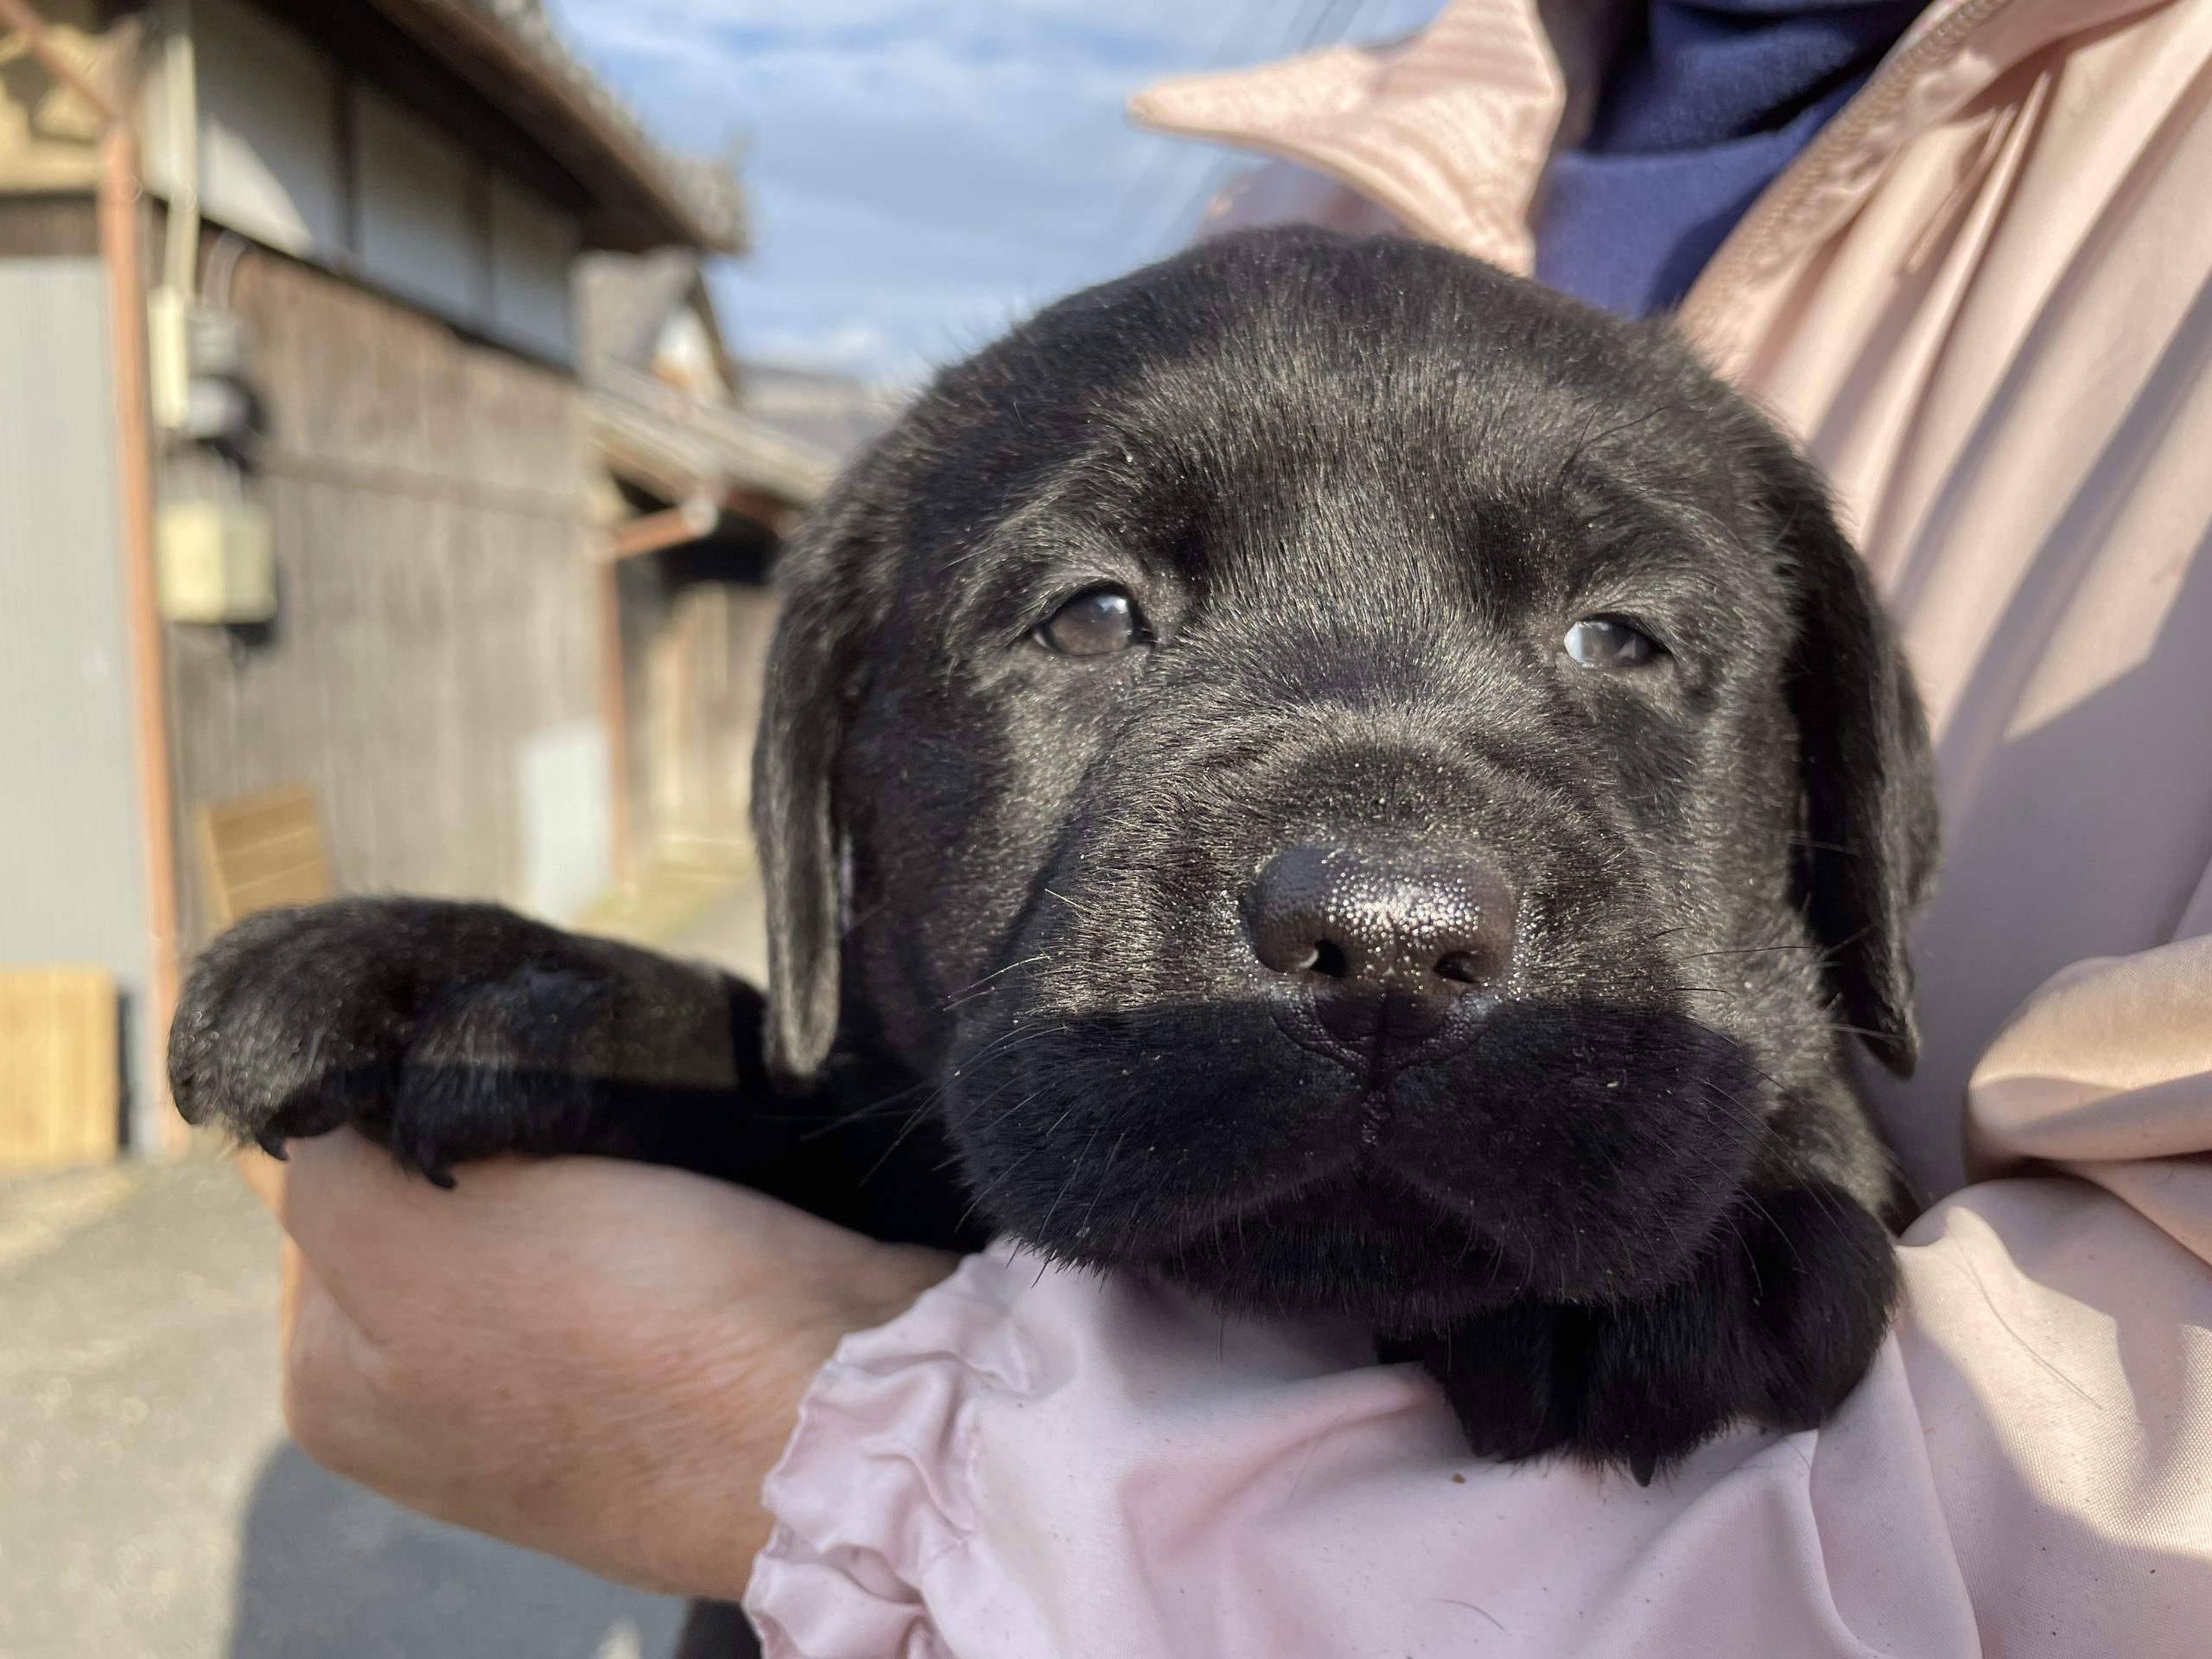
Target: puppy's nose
<point>1386,938</point>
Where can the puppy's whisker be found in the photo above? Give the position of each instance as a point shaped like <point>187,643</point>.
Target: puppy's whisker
<point>1010,1110</point>
<point>1078,909</point>
<point>1000,1180</point>
<point>897,1140</point>
<point>913,1120</point>
<point>963,995</point>
<point>1044,1227</point>
<point>1756,950</point>
<point>1014,1037</point>
<point>881,1108</point>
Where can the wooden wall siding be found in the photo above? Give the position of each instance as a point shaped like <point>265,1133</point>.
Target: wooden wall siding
<point>428,495</point>
<point>643,601</point>
<point>702,708</point>
<point>48,227</point>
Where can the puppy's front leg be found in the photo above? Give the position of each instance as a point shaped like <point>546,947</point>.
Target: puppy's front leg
<point>1777,1324</point>
<point>453,1032</point>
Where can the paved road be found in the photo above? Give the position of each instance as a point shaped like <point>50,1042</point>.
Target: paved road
<point>150,1506</point>
<point>150,1503</point>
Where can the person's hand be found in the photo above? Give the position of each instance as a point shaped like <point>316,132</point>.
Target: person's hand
<point>598,1360</point>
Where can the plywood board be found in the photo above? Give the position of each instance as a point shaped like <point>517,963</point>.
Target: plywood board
<point>260,852</point>
<point>60,1067</point>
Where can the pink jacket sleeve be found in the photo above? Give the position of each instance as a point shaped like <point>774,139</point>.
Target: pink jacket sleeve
<point>1032,1464</point>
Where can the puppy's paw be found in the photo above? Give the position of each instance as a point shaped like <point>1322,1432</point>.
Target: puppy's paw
<point>1777,1325</point>
<point>442,1030</point>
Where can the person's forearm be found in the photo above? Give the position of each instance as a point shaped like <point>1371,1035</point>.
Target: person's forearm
<point>596,1360</point>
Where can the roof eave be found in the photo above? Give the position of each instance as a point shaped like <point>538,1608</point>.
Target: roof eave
<point>640,198</point>
<point>679,449</point>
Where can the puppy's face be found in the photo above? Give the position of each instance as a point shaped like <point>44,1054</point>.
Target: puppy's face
<point>1346,770</point>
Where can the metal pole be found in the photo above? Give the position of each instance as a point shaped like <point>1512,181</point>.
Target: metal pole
<point>613,705</point>
<point>120,194</point>
<point>134,461</point>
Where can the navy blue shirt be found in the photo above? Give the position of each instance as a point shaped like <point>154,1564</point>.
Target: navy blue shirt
<point>1704,104</point>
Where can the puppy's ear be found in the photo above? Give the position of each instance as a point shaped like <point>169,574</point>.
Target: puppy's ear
<point>829,575</point>
<point>1867,862</point>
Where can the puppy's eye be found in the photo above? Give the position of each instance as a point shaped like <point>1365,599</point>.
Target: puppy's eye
<point>1095,623</point>
<point>1608,642</point>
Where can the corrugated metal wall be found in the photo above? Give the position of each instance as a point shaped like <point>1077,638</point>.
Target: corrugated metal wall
<point>402,204</point>
<point>69,884</point>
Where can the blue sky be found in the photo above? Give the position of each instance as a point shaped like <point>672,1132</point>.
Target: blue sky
<point>923,172</point>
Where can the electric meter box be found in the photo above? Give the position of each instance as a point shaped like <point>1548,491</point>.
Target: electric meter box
<point>218,563</point>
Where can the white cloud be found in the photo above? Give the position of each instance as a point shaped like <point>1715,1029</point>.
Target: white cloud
<point>855,345</point>
<point>921,170</point>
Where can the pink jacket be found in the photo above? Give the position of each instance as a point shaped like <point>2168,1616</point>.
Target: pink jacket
<point>1984,299</point>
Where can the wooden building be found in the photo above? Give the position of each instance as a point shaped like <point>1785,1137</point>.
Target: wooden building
<point>299,485</point>
<point>702,455</point>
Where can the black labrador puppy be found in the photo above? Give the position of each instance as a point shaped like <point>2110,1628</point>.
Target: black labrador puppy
<point>1320,771</point>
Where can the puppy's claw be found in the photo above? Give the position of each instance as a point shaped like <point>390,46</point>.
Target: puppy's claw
<point>271,1141</point>
<point>1644,1464</point>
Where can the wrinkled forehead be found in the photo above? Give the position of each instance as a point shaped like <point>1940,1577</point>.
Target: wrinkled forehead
<point>1391,473</point>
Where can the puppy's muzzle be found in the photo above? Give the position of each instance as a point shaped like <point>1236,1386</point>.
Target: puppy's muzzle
<point>1387,941</point>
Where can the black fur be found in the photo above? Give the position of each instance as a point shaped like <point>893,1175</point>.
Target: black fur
<point>1360,489</point>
